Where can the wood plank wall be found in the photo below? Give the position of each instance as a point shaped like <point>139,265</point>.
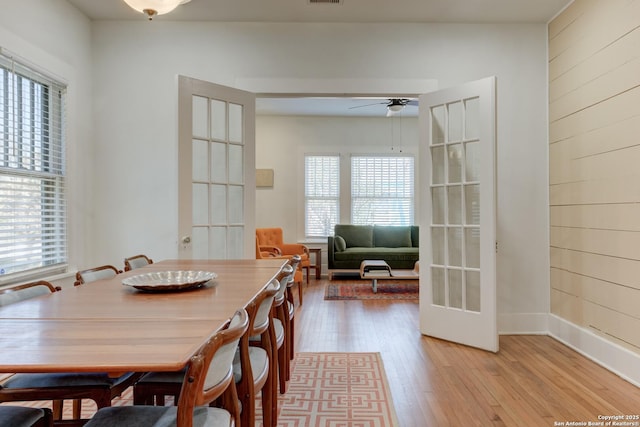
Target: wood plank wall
<point>594,167</point>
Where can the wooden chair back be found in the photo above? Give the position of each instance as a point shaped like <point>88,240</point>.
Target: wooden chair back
<point>136,261</point>
<point>260,324</point>
<point>25,291</point>
<point>210,372</point>
<point>97,273</point>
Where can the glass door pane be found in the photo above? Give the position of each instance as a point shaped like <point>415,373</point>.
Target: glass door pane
<point>455,205</point>
<point>218,178</point>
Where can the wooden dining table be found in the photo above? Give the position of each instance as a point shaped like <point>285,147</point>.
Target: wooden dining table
<point>104,326</point>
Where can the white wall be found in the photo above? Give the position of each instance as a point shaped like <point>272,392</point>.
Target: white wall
<point>55,37</point>
<point>282,142</point>
<point>134,134</point>
<point>135,91</point>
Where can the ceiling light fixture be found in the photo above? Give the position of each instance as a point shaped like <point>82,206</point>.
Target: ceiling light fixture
<point>395,106</point>
<point>152,8</point>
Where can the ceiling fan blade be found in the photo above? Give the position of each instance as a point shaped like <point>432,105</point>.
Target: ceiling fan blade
<point>367,105</point>
<point>412,102</point>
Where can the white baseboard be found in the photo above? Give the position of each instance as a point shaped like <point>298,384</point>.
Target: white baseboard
<point>617,359</point>
<point>523,324</point>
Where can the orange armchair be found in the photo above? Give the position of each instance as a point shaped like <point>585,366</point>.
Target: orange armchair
<point>270,240</point>
<point>270,252</point>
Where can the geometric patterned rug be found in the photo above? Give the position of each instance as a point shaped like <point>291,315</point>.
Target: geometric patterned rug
<point>325,390</point>
<point>386,289</point>
<point>337,390</point>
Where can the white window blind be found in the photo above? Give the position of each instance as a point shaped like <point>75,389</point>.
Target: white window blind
<point>32,170</point>
<point>382,190</point>
<point>322,195</point>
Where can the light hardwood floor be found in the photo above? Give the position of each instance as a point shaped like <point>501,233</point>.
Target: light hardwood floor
<point>531,381</point>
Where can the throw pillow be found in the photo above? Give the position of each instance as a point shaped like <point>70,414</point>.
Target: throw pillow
<point>340,244</point>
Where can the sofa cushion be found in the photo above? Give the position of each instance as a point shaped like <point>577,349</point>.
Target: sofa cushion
<point>391,236</point>
<point>360,236</point>
<point>415,236</point>
<point>340,244</point>
<point>400,258</point>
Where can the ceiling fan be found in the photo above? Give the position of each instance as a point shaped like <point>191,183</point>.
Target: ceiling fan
<point>394,105</point>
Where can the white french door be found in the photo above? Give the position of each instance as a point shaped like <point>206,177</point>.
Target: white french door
<point>216,156</point>
<point>458,215</point>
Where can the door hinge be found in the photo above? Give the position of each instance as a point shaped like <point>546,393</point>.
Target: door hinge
<point>496,246</point>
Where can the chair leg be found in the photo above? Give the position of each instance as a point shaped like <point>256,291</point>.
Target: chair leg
<point>290,344</point>
<point>248,407</point>
<point>77,409</point>
<point>270,389</point>
<point>229,401</point>
<point>269,403</point>
<point>57,409</point>
<point>283,366</point>
<point>140,397</point>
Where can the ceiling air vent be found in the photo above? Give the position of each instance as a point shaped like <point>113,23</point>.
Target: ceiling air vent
<point>326,1</point>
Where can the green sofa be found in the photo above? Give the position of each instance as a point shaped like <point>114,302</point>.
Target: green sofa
<point>352,244</point>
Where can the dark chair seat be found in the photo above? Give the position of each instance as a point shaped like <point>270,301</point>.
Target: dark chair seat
<point>157,416</point>
<point>93,380</point>
<point>18,416</point>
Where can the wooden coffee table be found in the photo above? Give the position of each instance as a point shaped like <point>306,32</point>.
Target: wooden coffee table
<point>377,269</point>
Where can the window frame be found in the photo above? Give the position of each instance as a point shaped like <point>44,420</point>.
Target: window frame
<point>322,197</point>
<point>36,125</point>
<point>380,163</point>
<point>345,199</point>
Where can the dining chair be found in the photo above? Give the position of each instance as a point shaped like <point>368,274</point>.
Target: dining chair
<point>208,376</point>
<point>58,387</point>
<point>96,273</point>
<point>279,357</point>
<point>25,291</point>
<point>136,261</point>
<point>250,366</point>
<point>291,309</point>
<point>282,329</point>
<point>253,365</point>
<point>20,416</point>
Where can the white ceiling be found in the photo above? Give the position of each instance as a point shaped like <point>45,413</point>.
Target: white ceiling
<point>479,11</point>
<point>346,11</point>
<point>329,106</point>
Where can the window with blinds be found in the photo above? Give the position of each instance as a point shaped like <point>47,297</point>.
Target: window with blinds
<point>382,190</point>
<point>32,170</point>
<point>322,194</point>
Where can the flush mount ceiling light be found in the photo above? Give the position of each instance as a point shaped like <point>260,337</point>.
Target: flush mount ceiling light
<point>395,106</point>
<point>152,8</point>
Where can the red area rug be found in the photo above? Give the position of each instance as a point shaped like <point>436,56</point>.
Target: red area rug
<point>362,289</point>
<point>325,390</point>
